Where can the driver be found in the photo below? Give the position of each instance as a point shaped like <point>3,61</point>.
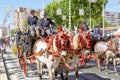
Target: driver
<point>45,25</point>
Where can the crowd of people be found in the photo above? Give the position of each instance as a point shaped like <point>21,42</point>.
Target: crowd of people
<point>2,45</point>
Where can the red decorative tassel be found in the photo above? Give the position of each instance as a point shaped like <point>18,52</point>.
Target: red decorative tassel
<point>52,59</point>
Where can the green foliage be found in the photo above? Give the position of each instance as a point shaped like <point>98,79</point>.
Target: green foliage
<point>12,32</point>
<point>96,11</point>
<point>25,23</point>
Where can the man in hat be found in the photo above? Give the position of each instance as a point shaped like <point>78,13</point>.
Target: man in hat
<point>97,33</point>
<point>32,20</point>
<point>85,26</point>
<point>45,24</point>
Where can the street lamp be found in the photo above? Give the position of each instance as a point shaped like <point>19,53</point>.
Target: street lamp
<point>7,14</point>
<point>64,18</point>
<point>69,14</point>
<point>103,20</point>
<point>81,12</point>
<point>59,11</point>
<point>9,8</point>
<point>91,1</point>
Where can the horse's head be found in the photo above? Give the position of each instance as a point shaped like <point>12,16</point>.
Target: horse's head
<point>115,45</point>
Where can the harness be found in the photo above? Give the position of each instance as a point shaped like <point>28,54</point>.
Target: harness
<point>85,41</point>
<point>58,43</point>
<point>62,43</point>
<point>66,42</point>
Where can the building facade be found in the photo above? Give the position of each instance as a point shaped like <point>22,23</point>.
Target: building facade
<point>21,14</point>
<point>112,18</point>
<point>3,31</point>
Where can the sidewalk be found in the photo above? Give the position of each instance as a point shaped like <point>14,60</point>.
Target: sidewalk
<point>3,75</point>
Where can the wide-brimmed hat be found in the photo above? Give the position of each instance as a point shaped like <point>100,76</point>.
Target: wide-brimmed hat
<point>32,11</point>
<point>85,20</point>
<point>45,13</point>
<point>98,25</point>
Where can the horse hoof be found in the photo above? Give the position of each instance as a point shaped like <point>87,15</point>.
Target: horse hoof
<point>66,78</point>
<point>107,73</point>
<point>100,70</point>
<point>116,74</point>
<point>55,75</point>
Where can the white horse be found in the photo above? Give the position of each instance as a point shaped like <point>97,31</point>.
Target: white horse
<point>77,46</point>
<point>70,60</point>
<point>107,52</point>
<point>45,57</point>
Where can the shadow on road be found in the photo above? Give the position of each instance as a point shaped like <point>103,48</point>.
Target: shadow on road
<point>85,76</point>
<point>92,76</point>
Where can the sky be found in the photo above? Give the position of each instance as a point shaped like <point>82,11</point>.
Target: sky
<point>112,5</point>
<point>33,4</point>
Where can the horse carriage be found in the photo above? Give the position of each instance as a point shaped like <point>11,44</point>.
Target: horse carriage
<point>24,51</point>
<point>56,51</point>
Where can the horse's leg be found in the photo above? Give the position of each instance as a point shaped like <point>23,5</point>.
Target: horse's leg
<point>107,64</point>
<point>57,69</point>
<point>76,72</point>
<point>41,70</point>
<point>39,66</point>
<point>50,71</point>
<point>114,64</point>
<point>66,71</point>
<point>61,72</point>
<point>98,62</point>
<point>56,72</point>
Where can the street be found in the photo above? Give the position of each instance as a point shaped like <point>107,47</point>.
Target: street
<point>73,25</point>
<point>13,71</point>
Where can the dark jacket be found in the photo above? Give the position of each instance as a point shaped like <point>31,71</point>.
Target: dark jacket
<point>45,24</point>
<point>85,27</point>
<point>32,20</point>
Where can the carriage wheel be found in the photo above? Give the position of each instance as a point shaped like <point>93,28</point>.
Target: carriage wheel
<point>24,64</point>
<point>20,62</point>
<point>18,48</point>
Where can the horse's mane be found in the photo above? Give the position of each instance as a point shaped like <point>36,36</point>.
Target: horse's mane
<point>115,43</point>
<point>75,41</point>
<point>105,39</point>
<point>54,45</point>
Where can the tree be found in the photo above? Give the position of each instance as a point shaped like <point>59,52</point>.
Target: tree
<point>25,23</point>
<point>12,32</point>
<point>96,11</point>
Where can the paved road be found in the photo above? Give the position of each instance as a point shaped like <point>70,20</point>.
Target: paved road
<point>15,73</point>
